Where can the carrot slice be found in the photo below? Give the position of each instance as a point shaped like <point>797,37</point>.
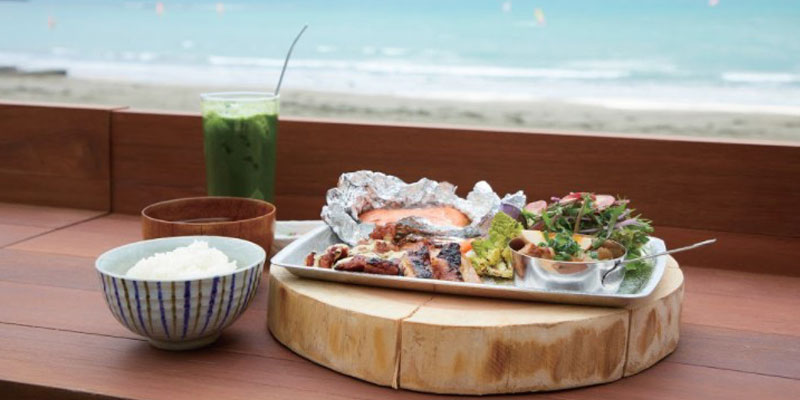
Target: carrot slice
<point>466,246</point>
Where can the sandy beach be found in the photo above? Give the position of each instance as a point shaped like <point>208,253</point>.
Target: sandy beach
<point>519,115</point>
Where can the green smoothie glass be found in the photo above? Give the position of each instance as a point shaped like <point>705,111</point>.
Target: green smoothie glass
<point>240,131</point>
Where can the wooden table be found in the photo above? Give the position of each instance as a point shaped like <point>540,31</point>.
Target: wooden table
<point>740,334</point>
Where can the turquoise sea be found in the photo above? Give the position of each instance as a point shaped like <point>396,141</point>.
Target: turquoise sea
<point>690,54</point>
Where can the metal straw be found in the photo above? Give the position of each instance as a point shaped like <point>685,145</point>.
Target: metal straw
<point>288,55</point>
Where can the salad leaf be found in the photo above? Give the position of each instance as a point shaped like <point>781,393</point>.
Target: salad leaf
<point>633,237</point>
<point>564,246</point>
<point>491,255</point>
<point>594,215</point>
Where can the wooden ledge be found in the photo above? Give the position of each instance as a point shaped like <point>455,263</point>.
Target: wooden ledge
<point>119,160</point>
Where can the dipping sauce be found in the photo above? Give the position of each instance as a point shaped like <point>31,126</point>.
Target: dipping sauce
<point>195,261</point>
<point>437,216</point>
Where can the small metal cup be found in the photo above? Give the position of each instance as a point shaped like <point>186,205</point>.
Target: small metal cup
<point>602,276</point>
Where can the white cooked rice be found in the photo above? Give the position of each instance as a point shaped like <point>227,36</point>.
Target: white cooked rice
<point>195,261</point>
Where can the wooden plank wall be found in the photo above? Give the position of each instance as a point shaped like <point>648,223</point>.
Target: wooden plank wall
<point>156,157</point>
<point>693,189</point>
<point>55,155</point>
<point>742,192</point>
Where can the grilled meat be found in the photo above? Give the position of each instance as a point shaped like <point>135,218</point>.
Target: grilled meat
<point>446,263</point>
<point>400,234</point>
<point>370,265</point>
<point>416,263</point>
<point>310,258</point>
<point>398,248</point>
<point>373,246</point>
<point>384,232</point>
<point>332,254</point>
<point>374,257</point>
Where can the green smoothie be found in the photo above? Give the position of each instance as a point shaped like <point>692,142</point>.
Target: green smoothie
<point>240,132</point>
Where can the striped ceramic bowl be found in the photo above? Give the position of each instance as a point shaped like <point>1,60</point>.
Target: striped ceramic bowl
<point>182,314</point>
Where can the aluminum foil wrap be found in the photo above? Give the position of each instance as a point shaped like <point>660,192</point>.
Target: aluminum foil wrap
<point>367,190</point>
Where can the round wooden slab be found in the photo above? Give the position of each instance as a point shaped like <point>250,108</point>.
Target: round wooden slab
<point>467,345</point>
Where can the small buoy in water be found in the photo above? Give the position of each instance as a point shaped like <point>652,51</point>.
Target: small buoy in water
<point>539,14</point>
<point>51,22</point>
<point>159,8</point>
<point>220,8</point>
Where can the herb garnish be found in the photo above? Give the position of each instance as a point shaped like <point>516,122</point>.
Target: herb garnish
<point>585,213</point>
<point>564,246</point>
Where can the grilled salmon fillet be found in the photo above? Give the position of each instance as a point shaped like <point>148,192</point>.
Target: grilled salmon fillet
<point>437,216</point>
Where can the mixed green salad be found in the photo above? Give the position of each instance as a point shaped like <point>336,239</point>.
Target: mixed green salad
<point>601,216</point>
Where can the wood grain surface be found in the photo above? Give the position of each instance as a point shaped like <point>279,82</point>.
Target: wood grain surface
<point>10,234</point>
<point>157,157</point>
<point>455,345</point>
<point>762,254</point>
<point>655,323</point>
<point>739,328</point>
<point>691,188</point>
<point>19,222</point>
<point>466,345</point>
<point>43,217</point>
<point>55,155</point>
<point>243,218</point>
<point>662,176</point>
<point>72,327</point>
<point>316,320</point>
<point>731,187</point>
<point>89,239</point>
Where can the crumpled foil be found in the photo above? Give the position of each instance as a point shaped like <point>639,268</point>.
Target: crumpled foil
<point>367,190</point>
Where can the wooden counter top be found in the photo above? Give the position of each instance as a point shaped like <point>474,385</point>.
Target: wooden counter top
<point>740,334</point>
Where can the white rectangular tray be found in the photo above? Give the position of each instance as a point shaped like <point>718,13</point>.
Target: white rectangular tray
<point>292,257</point>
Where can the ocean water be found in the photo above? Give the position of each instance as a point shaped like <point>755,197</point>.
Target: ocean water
<point>735,55</point>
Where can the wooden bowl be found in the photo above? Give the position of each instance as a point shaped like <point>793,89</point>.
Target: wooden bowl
<point>238,217</point>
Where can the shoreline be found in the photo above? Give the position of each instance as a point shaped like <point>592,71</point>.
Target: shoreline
<point>637,117</point>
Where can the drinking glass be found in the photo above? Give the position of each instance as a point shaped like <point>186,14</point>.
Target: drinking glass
<point>240,132</point>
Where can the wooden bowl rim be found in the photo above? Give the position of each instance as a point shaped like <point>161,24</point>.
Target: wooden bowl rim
<point>270,213</point>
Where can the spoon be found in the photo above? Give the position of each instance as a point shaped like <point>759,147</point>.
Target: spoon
<point>693,246</point>
<point>288,55</point>
<point>654,255</point>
